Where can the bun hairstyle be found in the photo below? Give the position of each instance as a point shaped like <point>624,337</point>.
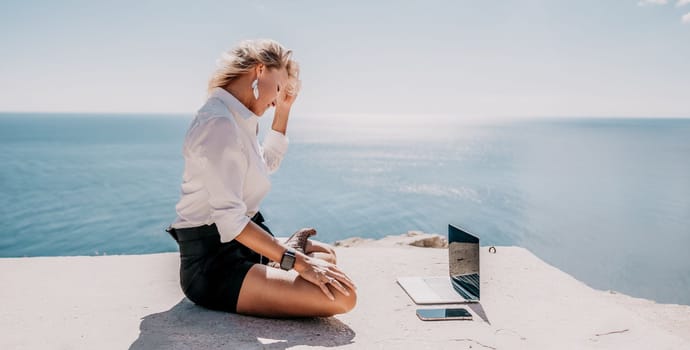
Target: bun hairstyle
<point>247,55</point>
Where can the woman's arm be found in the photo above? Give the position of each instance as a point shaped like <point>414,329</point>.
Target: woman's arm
<point>222,158</point>
<point>316,271</point>
<point>275,142</point>
<point>280,119</point>
<point>255,238</point>
<point>282,113</point>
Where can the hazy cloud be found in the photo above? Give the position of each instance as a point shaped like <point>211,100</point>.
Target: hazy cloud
<point>653,2</point>
<point>679,3</point>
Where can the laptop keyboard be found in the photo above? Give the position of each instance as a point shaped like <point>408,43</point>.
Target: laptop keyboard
<point>439,287</point>
<point>469,283</point>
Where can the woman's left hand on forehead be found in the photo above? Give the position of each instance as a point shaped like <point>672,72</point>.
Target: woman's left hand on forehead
<point>285,100</point>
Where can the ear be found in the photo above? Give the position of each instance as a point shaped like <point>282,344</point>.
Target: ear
<point>260,69</point>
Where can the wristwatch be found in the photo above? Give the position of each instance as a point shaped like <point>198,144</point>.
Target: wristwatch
<point>287,262</point>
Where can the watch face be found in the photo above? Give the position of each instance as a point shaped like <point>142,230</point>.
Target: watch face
<point>288,260</point>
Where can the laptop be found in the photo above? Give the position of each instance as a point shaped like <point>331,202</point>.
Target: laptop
<point>462,283</point>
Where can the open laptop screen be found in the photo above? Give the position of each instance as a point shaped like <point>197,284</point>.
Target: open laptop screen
<point>463,255</point>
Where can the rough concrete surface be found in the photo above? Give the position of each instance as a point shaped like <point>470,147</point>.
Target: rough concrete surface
<point>134,301</point>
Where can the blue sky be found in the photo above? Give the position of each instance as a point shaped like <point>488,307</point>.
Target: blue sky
<point>468,58</point>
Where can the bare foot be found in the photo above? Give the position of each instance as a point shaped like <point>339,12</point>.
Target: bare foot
<point>298,240</point>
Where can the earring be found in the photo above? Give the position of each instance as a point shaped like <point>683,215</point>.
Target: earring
<point>255,88</point>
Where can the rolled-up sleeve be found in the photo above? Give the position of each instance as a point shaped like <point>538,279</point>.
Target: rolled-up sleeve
<point>274,148</point>
<point>224,171</point>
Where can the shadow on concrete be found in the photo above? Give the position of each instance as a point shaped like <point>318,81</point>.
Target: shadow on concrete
<point>188,326</point>
<point>479,311</point>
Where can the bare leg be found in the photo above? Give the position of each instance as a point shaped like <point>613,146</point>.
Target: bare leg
<point>272,292</point>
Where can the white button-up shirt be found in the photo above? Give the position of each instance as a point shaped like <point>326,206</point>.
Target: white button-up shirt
<point>226,170</point>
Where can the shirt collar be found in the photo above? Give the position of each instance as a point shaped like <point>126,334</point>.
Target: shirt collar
<point>233,104</point>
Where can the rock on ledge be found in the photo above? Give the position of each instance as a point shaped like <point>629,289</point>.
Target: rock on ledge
<point>413,238</point>
<point>135,302</point>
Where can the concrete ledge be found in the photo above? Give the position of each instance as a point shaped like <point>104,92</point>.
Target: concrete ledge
<point>117,302</point>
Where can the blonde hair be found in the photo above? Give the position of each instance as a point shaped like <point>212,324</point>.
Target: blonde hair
<point>247,55</point>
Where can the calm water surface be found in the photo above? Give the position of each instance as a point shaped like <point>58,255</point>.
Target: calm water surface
<point>606,200</point>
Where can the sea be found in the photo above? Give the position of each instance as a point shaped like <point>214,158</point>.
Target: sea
<point>607,200</point>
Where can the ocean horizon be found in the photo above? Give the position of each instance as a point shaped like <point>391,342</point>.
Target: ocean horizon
<point>607,200</point>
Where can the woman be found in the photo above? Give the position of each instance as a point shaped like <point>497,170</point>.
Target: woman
<point>225,248</point>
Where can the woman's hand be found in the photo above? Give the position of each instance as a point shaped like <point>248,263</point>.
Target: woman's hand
<point>285,100</point>
<point>322,273</point>
<point>283,104</point>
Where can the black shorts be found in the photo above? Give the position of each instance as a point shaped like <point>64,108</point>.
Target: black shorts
<point>211,272</point>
